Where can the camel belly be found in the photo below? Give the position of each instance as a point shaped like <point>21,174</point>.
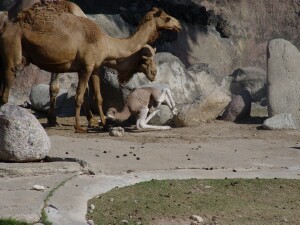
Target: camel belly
<point>50,52</point>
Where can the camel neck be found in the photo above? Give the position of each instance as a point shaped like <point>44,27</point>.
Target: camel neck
<point>123,47</point>
<point>124,114</point>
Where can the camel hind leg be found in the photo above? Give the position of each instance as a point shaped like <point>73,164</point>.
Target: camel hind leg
<point>95,79</point>
<point>11,61</point>
<point>53,90</point>
<point>142,121</point>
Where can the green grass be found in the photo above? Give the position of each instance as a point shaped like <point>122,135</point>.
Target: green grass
<point>12,222</point>
<point>228,201</point>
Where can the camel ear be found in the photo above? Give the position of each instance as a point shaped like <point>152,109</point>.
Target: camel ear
<point>157,12</point>
<point>154,50</point>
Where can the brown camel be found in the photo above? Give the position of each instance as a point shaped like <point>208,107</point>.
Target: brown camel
<point>141,61</point>
<point>38,35</point>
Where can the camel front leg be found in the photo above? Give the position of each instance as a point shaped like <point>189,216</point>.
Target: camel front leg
<point>92,121</point>
<point>53,90</point>
<point>170,101</point>
<point>8,81</point>
<point>96,87</point>
<point>83,76</point>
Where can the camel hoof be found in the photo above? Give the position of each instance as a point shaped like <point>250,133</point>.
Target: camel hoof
<point>80,131</point>
<point>93,123</point>
<point>55,124</point>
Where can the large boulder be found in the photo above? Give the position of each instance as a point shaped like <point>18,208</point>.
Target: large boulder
<point>239,108</point>
<point>22,138</point>
<point>283,79</point>
<point>252,79</point>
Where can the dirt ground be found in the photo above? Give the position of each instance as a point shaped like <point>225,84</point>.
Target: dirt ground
<point>215,129</point>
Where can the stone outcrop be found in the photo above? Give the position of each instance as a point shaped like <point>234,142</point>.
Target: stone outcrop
<point>22,138</point>
<point>283,79</point>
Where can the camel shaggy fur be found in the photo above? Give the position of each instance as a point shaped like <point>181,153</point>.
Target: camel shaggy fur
<point>141,61</point>
<point>57,41</point>
<point>140,102</point>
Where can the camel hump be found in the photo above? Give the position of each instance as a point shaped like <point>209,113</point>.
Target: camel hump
<point>42,12</point>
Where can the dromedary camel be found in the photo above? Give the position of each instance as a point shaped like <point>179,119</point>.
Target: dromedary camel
<point>140,102</point>
<point>141,61</point>
<point>39,35</point>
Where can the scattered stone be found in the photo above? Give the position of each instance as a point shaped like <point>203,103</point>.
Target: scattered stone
<point>22,137</point>
<point>38,188</point>
<point>196,218</point>
<point>138,223</point>
<point>90,222</point>
<point>91,208</point>
<point>124,221</point>
<point>116,131</point>
<point>138,158</point>
<point>284,121</point>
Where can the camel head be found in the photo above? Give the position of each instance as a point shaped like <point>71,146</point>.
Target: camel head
<point>111,114</point>
<point>148,65</point>
<point>163,20</point>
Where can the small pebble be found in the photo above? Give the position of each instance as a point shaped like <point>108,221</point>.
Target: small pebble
<point>38,188</point>
<point>197,219</point>
<point>137,158</point>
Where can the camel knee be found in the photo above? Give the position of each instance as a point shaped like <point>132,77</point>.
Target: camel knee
<point>54,90</point>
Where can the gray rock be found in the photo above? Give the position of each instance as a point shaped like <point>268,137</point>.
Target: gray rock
<point>283,79</point>
<point>284,121</point>
<point>116,131</point>
<point>239,108</point>
<point>252,79</point>
<point>40,97</point>
<point>22,138</point>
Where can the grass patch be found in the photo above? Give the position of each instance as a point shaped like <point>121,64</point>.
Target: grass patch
<point>12,222</point>
<point>229,201</point>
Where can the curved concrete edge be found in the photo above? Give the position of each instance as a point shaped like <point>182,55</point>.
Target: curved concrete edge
<point>69,203</point>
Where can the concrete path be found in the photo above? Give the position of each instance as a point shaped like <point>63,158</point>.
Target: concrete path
<point>81,168</point>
